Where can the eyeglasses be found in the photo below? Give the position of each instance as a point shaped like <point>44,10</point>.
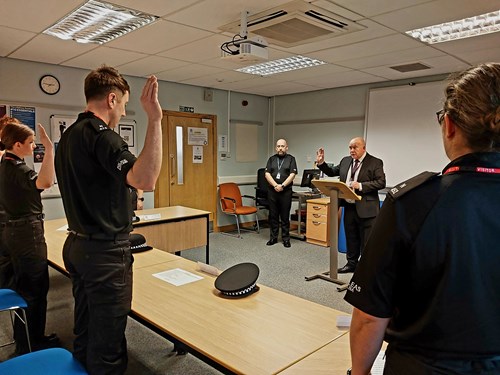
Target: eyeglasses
<point>440,116</point>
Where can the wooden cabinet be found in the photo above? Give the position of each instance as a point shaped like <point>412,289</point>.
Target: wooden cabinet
<point>318,225</point>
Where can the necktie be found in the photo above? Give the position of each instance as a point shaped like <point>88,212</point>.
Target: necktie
<point>354,169</point>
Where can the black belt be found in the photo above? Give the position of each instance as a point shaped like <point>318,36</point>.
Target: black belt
<point>101,236</point>
<point>21,221</point>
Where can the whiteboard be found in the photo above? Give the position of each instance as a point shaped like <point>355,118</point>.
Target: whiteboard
<point>401,129</point>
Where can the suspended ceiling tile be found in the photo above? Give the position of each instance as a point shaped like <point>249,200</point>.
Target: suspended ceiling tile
<point>11,39</point>
<point>372,47</point>
<point>158,37</point>
<point>150,65</point>
<point>394,58</point>
<point>35,15</point>
<point>197,51</point>
<point>45,48</point>
<point>103,55</point>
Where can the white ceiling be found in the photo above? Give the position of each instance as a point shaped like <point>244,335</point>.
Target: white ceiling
<point>184,44</point>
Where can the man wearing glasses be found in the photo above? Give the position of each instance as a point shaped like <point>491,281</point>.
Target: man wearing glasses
<point>364,174</point>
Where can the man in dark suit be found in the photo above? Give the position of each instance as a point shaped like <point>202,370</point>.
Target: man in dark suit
<point>364,173</point>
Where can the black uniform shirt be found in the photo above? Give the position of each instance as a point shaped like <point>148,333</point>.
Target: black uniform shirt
<point>283,165</point>
<point>432,263</point>
<point>92,162</point>
<point>19,195</point>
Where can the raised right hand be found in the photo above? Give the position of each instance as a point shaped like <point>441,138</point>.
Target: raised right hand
<point>149,99</point>
<point>320,156</point>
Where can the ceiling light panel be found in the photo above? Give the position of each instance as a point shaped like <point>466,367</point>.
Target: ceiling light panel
<point>466,28</point>
<point>281,65</point>
<point>99,22</point>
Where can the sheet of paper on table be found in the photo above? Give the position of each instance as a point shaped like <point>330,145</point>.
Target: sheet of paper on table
<point>177,276</point>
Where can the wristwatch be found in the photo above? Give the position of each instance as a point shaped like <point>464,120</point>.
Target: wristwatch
<point>140,199</point>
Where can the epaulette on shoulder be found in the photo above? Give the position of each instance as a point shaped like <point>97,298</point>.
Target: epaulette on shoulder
<point>401,189</point>
<point>98,125</point>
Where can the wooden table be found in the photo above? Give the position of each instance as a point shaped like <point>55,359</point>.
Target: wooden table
<point>178,228</point>
<point>263,333</point>
<point>333,358</point>
<point>55,236</point>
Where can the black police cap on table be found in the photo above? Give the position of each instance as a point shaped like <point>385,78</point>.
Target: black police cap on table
<point>138,243</point>
<point>238,281</point>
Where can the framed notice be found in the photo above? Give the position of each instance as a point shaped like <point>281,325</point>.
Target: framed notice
<point>127,133</point>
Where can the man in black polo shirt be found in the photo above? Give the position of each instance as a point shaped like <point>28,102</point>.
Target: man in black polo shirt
<point>95,169</point>
<point>281,169</point>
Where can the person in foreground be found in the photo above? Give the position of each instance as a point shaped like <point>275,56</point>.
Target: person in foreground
<point>95,169</point>
<point>281,169</point>
<point>23,243</point>
<point>6,270</point>
<point>363,173</point>
<point>428,280</point>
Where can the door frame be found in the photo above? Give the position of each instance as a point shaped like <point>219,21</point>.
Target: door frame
<point>166,152</point>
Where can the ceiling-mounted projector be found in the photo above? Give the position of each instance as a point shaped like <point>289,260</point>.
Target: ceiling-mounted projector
<point>247,50</point>
<point>244,49</point>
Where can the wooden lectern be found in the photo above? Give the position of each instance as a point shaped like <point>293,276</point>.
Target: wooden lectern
<point>336,190</point>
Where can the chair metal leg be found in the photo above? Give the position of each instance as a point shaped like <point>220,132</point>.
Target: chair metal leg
<point>238,226</point>
<point>25,321</point>
<point>257,221</point>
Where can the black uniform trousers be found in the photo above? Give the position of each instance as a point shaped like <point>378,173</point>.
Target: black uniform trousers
<point>402,362</point>
<point>280,204</point>
<point>101,274</point>
<point>357,231</point>
<point>6,269</point>
<point>25,248</point>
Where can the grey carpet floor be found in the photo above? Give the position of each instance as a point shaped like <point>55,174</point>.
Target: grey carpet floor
<point>150,354</point>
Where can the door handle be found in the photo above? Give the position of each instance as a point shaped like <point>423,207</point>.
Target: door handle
<point>172,169</point>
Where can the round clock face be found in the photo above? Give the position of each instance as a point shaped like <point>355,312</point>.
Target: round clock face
<point>50,84</point>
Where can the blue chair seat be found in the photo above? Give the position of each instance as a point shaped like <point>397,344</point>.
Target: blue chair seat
<point>55,361</point>
<point>10,300</point>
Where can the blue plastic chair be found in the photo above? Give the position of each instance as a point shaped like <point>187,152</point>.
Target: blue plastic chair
<point>55,361</point>
<point>14,303</point>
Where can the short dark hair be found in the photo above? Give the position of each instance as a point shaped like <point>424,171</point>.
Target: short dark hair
<point>14,132</point>
<point>103,80</point>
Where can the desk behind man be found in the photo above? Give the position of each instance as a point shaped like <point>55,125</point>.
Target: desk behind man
<point>365,174</point>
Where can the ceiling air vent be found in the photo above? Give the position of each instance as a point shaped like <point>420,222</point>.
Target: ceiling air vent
<point>295,23</point>
<point>410,67</point>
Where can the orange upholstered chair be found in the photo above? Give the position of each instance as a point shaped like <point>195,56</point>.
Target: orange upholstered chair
<point>231,204</point>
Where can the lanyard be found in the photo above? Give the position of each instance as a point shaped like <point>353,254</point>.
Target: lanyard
<point>473,169</point>
<point>280,165</point>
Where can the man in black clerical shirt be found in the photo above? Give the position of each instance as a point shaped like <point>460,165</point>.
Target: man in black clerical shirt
<point>281,169</point>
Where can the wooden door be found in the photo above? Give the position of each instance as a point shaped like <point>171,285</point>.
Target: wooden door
<point>188,175</point>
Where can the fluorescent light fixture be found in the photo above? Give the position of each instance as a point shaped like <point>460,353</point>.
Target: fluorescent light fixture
<point>99,22</point>
<point>282,65</point>
<point>466,28</point>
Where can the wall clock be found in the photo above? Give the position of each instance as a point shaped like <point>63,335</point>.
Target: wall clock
<point>49,84</point>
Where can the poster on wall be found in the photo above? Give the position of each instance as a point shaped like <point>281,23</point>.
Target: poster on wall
<point>24,114</point>
<point>58,125</point>
<point>127,133</point>
<point>126,130</point>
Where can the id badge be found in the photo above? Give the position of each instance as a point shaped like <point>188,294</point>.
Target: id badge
<point>278,176</point>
